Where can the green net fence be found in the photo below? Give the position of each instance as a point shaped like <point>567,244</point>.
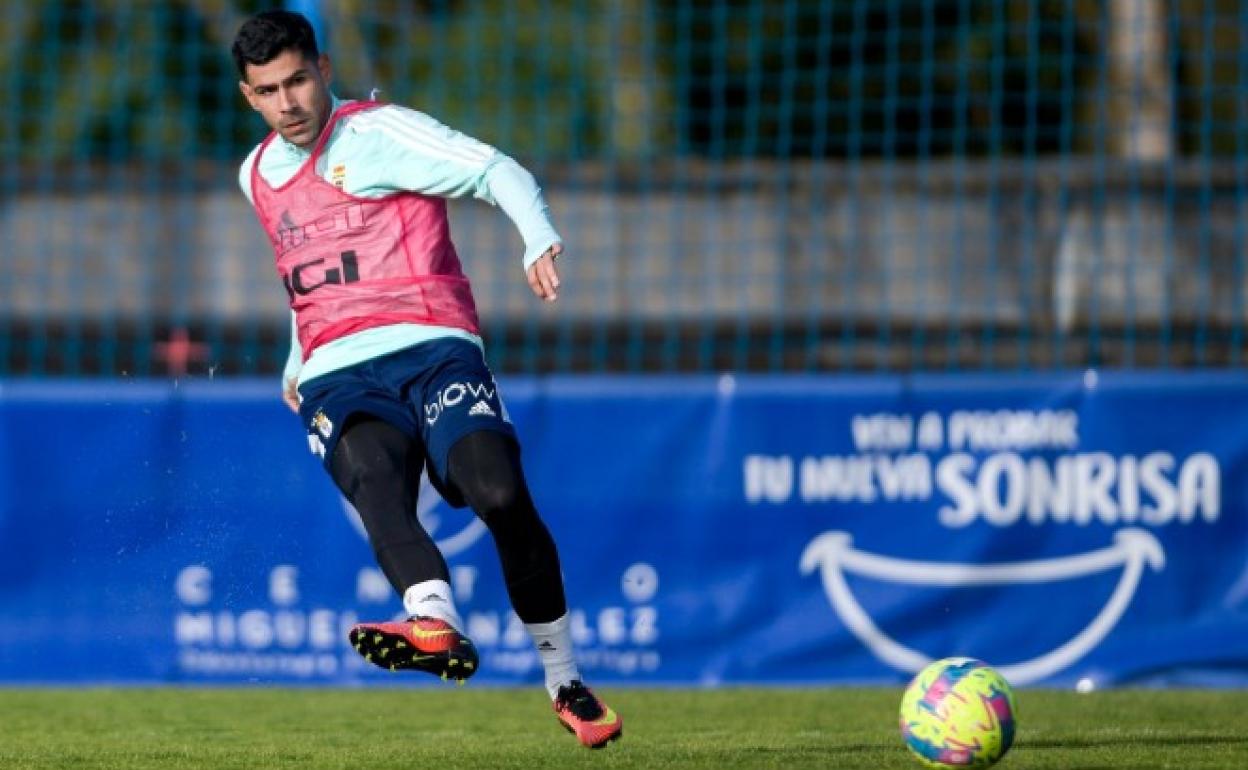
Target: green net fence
<point>749,185</point>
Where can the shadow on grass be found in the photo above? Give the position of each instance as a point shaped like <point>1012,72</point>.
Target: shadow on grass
<point>1136,740</point>
<point>852,748</point>
<point>845,756</point>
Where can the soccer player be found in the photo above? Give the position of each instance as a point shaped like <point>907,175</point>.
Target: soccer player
<point>386,368</point>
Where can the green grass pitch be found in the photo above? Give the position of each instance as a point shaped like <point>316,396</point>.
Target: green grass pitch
<point>309,729</point>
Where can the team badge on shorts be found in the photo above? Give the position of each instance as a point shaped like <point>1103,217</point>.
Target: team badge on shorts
<point>322,424</point>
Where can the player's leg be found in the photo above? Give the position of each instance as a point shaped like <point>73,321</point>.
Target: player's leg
<point>378,467</point>
<point>474,459</point>
<point>484,467</point>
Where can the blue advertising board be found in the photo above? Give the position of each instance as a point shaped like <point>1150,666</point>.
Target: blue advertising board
<point>1075,529</point>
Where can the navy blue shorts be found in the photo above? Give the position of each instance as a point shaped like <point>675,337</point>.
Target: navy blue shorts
<point>436,392</point>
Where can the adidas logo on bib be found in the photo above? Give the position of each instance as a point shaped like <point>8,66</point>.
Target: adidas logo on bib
<point>481,409</point>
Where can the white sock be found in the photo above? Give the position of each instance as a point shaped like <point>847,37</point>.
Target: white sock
<point>554,648</point>
<point>432,599</point>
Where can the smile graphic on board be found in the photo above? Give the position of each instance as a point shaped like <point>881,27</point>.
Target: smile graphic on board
<point>831,553</point>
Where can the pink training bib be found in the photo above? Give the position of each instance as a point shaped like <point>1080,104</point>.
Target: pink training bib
<point>352,263</point>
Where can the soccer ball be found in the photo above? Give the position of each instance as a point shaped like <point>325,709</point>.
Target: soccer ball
<point>958,712</point>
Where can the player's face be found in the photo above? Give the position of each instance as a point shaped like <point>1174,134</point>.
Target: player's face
<point>291,93</point>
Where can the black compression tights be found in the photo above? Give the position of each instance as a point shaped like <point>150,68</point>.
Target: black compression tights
<point>378,468</point>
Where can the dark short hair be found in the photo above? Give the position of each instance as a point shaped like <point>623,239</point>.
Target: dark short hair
<point>263,37</point>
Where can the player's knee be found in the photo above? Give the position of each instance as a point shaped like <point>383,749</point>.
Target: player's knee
<point>485,467</point>
<point>380,482</point>
<point>370,457</point>
<point>498,500</point>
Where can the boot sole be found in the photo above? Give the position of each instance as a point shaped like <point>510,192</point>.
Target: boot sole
<point>395,652</point>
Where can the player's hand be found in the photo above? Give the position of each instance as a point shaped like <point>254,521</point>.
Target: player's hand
<point>542,275</point>
<point>290,394</point>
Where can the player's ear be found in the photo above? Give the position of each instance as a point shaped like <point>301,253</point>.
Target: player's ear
<point>325,67</point>
<point>248,94</point>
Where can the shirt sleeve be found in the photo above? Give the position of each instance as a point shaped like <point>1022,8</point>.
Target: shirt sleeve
<point>294,359</point>
<point>419,154</point>
<point>244,173</point>
<point>516,192</point>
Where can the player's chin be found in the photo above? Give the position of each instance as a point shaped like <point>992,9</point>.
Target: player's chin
<point>300,135</point>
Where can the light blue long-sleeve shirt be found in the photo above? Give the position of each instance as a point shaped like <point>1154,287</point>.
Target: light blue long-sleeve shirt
<point>378,152</point>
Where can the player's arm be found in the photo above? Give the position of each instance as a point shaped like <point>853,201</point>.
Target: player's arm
<point>426,156</point>
<point>294,359</point>
<point>516,192</point>
<point>290,372</point>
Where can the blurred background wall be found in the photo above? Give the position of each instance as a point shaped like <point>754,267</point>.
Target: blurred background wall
<point>778,185</point>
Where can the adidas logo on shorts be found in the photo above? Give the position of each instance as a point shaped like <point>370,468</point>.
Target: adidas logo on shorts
<point>481,409</point>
